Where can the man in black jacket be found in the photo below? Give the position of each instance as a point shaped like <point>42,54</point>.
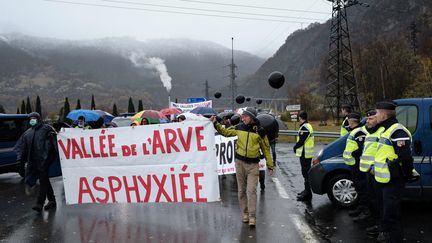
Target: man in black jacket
<point>36,147</point>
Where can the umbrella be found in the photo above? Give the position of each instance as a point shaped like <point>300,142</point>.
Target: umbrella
<point>205,111</point>
<point>89,115</point>
<point>107,117</point>
<point>227,114</point>
<point>270,124</point>
<point>194,117</point>
<point>153,117</point>
<point>170,111</point>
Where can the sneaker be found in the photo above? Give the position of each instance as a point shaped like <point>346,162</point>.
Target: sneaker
<point>383,237</point>
<point>50,204</point>
<point>245,218</point>
<point>252,222</point>
<point>373,230</point>
<point>37,208</point>
<point>355,212</point>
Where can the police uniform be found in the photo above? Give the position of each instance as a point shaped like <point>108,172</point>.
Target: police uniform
<point>304,149</point>
<point>393,164</point>
<point>351,155</point>
<point>344,127</point>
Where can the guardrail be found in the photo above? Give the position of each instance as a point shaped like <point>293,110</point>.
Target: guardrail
<point>316,133</point>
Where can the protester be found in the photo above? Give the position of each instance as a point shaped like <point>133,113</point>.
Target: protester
<point>81,123</point>
<point>251,139</point>
<point>36,148</point>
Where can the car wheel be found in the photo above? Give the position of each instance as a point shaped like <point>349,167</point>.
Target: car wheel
<point>341,190</point>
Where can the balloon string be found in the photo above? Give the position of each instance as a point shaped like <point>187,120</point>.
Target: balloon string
<point>272,99</point>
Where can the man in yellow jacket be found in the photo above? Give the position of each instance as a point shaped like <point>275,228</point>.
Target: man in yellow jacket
<point>251,139</point>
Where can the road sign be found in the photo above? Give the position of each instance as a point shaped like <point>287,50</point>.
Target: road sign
<point>196,100</point>
<point>293,107</point>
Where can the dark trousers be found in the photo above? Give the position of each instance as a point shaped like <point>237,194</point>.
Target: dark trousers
<point>389,199</point>
<point>371,191</point>
<point>305,167</point>
<point>262,173</point>
<point>45,190</point>
<point>360,185</point>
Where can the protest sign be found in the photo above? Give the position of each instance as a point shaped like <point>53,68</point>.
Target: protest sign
<point>186,107</point>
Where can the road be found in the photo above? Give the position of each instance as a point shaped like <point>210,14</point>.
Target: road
<point>280,218</point>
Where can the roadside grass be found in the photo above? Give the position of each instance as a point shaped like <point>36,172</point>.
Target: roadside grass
<point>331,127</point>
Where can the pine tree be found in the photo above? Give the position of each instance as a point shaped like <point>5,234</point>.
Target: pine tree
<point>61,115</point>
<point>93,105</point>
<point>140,106</point>
<point>66,108</point>
<point>28,107</point>
<point>18,111</point>
<point>38,105</point>
<point>23,107</point>
<point>131,107</point>
<point>114,110</point>
<point>78,105</point>
<point>2,109</point>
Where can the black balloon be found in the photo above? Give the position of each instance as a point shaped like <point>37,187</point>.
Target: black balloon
<point>248,99</point>
<point>276,79</point>
<point>259,102</point>
<point>240,99</point>
<point>217,95</point>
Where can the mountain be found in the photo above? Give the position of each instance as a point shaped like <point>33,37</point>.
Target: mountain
<point>303,56</point>
<point>113,69</point>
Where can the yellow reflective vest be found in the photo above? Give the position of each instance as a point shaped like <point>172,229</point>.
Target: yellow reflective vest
<point>308,144</point>
<point>369,150</point>
<point>385,152</point>
<point>343,130</point>
<point>351,146</point>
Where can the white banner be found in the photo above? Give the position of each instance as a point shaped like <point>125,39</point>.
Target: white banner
<point>172,162</point>
<point>225,155</point>
<point>186,107</point>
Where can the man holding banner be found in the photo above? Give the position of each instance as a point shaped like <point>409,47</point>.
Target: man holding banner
<point>250,140</point>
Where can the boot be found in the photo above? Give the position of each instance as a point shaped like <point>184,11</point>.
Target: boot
<point>373,230</point>
<point>365,214</point>
<point>245,218</point>
<point>383,237</point>
<point>252,222</point>
<point>50,204</point>
<point>38,208</point>
<point>355,212</point>
<point>301,193</point>
<point>305,197</point>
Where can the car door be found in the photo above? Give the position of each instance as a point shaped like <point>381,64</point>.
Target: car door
<point>10,131</point>
<point>424,147</point>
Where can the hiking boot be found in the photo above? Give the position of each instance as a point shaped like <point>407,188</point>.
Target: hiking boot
<point>383,237</point>
<point>252,222</point>
<point>245,218</point>
<point>50,204</point>
<point>38,208</point>
<point>373,230</point>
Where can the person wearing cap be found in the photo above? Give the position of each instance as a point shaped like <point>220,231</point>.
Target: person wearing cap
<point>367,159</point>
<point>393,165</point>
<point>353,151</point>
<point>251,139</point>
<point>345,110</point>
<point>36,148</point>
<point>304,149</point>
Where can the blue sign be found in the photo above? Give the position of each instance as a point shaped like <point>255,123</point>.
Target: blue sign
<point>195,100</point>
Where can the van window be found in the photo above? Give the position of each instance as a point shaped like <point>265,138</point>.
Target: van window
<point>11,130</point>
<point>408,116</point>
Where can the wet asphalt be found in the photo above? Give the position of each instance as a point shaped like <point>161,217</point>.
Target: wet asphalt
<point>280,218</point>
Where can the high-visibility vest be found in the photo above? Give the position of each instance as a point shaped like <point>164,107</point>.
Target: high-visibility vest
<point>369,150</point>
<point>351,146</point>
<point>385,152</point>
<point>308,144</point>
<point>343,130</point>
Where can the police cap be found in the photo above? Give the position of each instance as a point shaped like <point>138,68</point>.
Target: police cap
<point>386,105</point>
<point>354,115</point>
<point>371,112</point>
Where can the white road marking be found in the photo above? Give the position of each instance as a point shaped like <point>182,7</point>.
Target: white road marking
<point>280,189</point>
<point>303,229</point>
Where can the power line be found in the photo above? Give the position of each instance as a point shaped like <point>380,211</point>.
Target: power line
<point>210,10</point>
<point>255,7</point>
<point>170,11</point>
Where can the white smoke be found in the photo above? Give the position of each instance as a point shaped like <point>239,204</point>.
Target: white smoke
<point>153,63</point>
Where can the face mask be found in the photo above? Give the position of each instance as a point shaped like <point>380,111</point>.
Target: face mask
<point>33,122</point>
<point>80,124</point>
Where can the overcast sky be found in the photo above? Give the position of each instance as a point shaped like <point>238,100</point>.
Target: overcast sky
<point>142,19</point>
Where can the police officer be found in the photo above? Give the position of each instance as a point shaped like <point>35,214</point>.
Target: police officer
<point>81,123</point>
<point>393,165</point>
<point>304,148</point>
<point>345,110</point>
<point>351,155</point>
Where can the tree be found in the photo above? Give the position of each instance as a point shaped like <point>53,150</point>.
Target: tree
<point>18,111</point>
<point>66,108</point>
<point>23,107</point>
<point>131,107</point>
<point>2,109</point>
<point>61,115</point>
<point>114,110</point>
<point>28,107</point>
<point>38,105</point>
<point>93,104</point>
<point>140,105</point>
<point>78,105</point>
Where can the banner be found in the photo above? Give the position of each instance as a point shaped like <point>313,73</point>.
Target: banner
<point>190,106</point>
<point>225,155</point>
<point>172,162</point>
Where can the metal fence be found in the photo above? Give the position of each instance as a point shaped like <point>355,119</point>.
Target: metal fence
<point>315,133</point>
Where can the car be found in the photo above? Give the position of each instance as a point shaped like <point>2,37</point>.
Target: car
<point>330,175</point>
<point>12,126</point>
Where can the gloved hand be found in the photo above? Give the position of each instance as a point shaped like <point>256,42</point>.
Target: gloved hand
<point>414,176</point>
